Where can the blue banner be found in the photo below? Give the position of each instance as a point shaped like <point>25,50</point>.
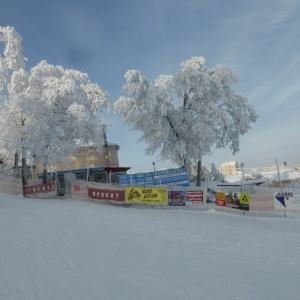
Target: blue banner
<point>164,178</point>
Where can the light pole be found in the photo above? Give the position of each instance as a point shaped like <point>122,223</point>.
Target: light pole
<point>153,166</point>
<point>242,165</point>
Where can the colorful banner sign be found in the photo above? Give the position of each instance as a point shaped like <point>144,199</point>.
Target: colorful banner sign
<point>232,200</point>
<point>244,201</point>
<point>123,180</point>
<point>220,199</point>
<point>152,196</point>
<point>210,196</point>
<point>76,187</point>
<point>287,201</point>
<point>171,177</point>
<point>108,195</point>
<point>194,198</point>
<point>40,188</point>
<point>176,198</point>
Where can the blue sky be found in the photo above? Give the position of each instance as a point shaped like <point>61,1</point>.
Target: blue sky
<point>258,39</point>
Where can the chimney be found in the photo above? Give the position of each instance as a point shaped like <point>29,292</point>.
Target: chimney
<point>104,135</point>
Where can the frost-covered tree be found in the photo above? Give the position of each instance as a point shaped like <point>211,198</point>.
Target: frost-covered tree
<point>47,111</point>
<point>5,160</point>
<point>181,117</point>
<point>193,172</point>
<point>12,58</point>
<point>215,174</point>
<point>11,61</point>
<point>63,105</point>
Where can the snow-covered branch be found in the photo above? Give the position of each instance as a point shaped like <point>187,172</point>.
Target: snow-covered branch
<point>181,117</point>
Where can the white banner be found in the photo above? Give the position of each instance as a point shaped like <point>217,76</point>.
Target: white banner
<point>287,201</point>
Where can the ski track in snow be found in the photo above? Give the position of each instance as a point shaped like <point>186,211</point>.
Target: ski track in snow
<point>69,249</point>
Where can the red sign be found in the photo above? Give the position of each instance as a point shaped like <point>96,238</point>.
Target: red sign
<point>76,188</point>
<point>220,199</point>
<point>114,195</point>
<point>195,196</point>
<point>40,188</point>
<point>221,203</point>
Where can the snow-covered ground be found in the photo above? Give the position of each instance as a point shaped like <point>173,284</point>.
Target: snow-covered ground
<point>70,249</point>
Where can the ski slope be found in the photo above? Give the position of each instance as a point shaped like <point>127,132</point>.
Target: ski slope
<point>68,249</point>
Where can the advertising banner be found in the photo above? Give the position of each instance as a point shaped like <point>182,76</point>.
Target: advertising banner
<point>171,177</point>
<point>123,180</point>
<point>194,198</point>
<point>232,200</point>
<point>220,199</point>
<point>40,188</point>
<point>244,201</point>
<point>210,196</point>
<point>104,194</point>
<point>76,187</point>
<point>152,196</point>
<point>149,179</point>
<point>164,178</point>
<point>176,198</point>
<point>287,201</point>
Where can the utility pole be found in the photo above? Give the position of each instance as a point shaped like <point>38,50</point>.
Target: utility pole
<point>24,164</point>
<point>199,167</point>
<point>242,165</point>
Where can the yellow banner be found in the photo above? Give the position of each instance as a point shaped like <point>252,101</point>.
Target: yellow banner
<point>220,196</point>
<point>245,198</point>
<point>152,196</point>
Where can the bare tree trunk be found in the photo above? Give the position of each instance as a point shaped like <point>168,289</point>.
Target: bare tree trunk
<point>24,165</point>
<point>24,173</point>
<point>199,173</point>
<point>45,175</point>
<point>16,164</point>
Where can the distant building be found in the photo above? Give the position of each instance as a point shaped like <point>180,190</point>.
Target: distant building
<point>228,168</point>
<point>88,157</point>
<point>88,164</point>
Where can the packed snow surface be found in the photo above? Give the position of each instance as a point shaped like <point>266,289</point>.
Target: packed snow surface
<point>70,249</point>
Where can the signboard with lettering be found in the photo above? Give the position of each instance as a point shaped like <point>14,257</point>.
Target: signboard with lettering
<point>76,187</point>
<point>153,196</point>
<point>40,188</point>
<point>171,177</point>
<point>105,194</point>
<point>176,198</point>
<point>194,198</point>
<point>210,196</point>
<point>244,201</point>
<point>164,178</point>
<point>220,199</point>
<point>287,201</point>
